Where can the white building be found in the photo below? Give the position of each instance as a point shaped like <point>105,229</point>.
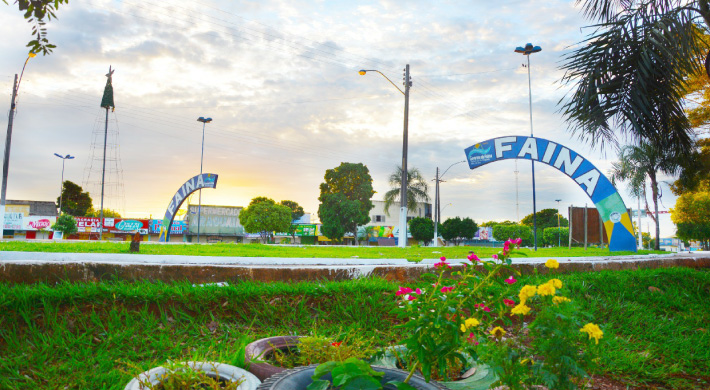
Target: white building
<point>378,217</point>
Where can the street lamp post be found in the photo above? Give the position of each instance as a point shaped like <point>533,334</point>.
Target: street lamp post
<point>199,206</point>
<point>61,184</point>
<point>559,242</point>
<point>6,159</point>
<point>403,190</point>
<point>437,201</point>
<point>526,51</point>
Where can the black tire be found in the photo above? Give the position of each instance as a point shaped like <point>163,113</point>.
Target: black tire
<point>300,377</point>
<point>259,349</point>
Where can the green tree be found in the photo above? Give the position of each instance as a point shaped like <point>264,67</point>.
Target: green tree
<point>296,214</point>
<point>503,232</point>
<point>546,218</point>
<point>65,224</point>
<point>108,213</point>
<point>556,237</point>
<point>456,229</point>
<point>75,201</point>
<point>695,169</point>
<point>629,74</point>
<point>354,183</point>
<point>422,229</point>
<point>36,11</point>
<point>691,215</point>
<point>264,216</point>
<point>635,165</point>
<point>416,189</point>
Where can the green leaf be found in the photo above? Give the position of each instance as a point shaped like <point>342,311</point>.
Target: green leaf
<point>318,384</point>
<point>363,382</point>
<point>401,385</point>
<point>323,369</point>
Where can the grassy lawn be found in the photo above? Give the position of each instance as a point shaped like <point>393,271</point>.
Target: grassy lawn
<point>413,253</point>
<point>85,336</point>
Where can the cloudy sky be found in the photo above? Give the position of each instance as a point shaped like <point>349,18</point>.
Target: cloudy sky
<point>280,80</point>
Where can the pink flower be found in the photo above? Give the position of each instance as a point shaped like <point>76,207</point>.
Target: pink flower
<point>509,302</point>
<point>518,241</point>
<point>418,291</point>
<point>495,257</point>
<point>411,297</point>
<point>472,257</point>
<point>472,339</point>
<point>506,246</point>
<point>510,280</point>
<point>435,285</point>
<point>442,264</point>
<point>446,289</point>
<point>403,291</point>
<point>442,258</point>
<point>482,306</point>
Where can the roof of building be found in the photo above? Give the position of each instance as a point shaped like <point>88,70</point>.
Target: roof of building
<point>37,207</point>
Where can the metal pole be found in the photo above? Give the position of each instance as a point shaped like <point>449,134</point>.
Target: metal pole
<point>61,187</point>
<point>199,207</point>
<point>6,160</point>
<point>436,210</point>
<point>559,242</point>
<point>639,219</point>
<point>585,226</point>
<point>103,181</point>
<point>532,162</point>
<point>403,190</point>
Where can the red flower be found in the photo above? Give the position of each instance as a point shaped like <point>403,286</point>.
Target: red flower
<point>336,344</point>
<point>472,339</point>
<point>509,302</point>
<point>403,291</point>
<point>472,257</point>
<point>442,263</point>
<point>510,280</point>
<point>446,289</point>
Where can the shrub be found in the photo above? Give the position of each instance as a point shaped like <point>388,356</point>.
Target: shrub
<point>504,232</point>
<point>550,236</point>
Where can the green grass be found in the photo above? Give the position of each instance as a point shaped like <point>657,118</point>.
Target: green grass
<point>413,253</point>
<point>82,335</point>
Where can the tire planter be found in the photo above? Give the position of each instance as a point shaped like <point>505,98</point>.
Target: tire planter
<point>300,377</point>
<point>224,371</point>
<point>482,379</point>
<point>256,352</point>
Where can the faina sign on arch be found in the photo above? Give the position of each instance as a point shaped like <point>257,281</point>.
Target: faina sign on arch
<point>205,180</point>
<point>607,200</point>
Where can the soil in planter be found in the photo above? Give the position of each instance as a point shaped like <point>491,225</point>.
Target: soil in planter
<point>316,350</point>
<point>217,383</point>
<point>454,372</point>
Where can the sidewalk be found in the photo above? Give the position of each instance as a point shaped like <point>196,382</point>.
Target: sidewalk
<point>30,267</point>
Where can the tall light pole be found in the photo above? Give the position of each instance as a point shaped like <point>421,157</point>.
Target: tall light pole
<point>61,183</point>
<point>8,139</point>
<point>526,51</point>
<point>559,242</point>
<point>199,207</point>
<point>437,200</point>
<point>403,191</point>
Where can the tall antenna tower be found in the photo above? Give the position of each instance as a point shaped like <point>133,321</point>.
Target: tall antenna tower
<point>115,196</point>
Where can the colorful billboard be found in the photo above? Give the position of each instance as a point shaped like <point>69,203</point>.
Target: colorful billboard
<point>215,220</point>
<point>88,225</point>
<point>13,221</point>
<point>121,225</point>
<point>178,227</point>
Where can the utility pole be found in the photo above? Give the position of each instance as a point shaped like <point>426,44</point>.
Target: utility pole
<point>6,160</point>
<point>403,190</point>
<point>106,102</point>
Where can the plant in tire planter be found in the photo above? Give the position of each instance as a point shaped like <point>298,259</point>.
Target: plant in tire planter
<point>458,316</point>
<point>194,375</point>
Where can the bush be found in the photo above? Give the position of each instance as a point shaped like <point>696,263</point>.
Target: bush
<point>422,229</point>
<point>65,224</point>
<point>504,232</point>
<point>550,236</point>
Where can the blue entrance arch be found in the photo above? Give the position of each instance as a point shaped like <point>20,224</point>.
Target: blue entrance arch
<point>611,207</point>
<point>205,180</point>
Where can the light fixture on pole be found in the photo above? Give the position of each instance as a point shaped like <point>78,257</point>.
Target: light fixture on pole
<point>199,207</point>
<point>61,184</point>
<point>403,190</point>
<point>6,159</point>
<point>559,242</point>
<point>527,51</point>
<point>437,200</point>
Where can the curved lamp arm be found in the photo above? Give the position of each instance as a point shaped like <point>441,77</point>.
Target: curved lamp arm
<point>364,71</point>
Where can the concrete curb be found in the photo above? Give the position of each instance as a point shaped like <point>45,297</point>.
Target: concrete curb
<point>33,267</point>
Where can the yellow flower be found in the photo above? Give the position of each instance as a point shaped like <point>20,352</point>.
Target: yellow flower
<point>557,300</point>
<point>552,263</point>
<point>469,323</point>
<point>546,289</point>
<point>593,331</point>
<point>521,309</point>
<point>555,282</point>
<point>497,332</point>
<point>526,292</point>
<point>32,55</point>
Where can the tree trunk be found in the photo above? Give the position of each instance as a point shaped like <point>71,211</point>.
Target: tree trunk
<point>357,243</point>
<point>654,195</point>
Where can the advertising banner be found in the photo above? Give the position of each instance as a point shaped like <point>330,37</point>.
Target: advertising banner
<point>88,225</point>
<point>37,222</point>
<point>306,230</point>
<point>120,225</point>
<point>13,221</point>
<point>215,220</point>
<point>484,233</point>
<point>178,227</point>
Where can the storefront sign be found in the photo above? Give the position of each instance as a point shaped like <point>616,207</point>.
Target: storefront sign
<point>306,230</point>
<point>37,222</point>
<point>215,220</point>
<point>178,227</point>
<point>13,221</point>
<point>89,225</point>
<point>119,225</point>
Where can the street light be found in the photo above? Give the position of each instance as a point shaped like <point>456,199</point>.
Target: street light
<point>403,190</point>
<point>437,217</point>
<point>559,242</point>
<point>6,159</point>
<point>199,207</point>
<point>526,51</point>
<point>61,184</point>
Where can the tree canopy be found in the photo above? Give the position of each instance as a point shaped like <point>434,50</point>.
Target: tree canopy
<point>416,188</point>
<point>352,208</point>
<point>691,215</point>
<point>74,200</point>
<point>456,229</point>
<point>422,229</point>
<point>296,214</point>
<point>545,218</point>
<point>36,12</point>
<point>264,216</point>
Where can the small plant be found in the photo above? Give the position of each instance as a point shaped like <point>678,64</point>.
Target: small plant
<point>188,376</point>
<point>65,224</point>
<point>351,374</point>
<point>317,349</point>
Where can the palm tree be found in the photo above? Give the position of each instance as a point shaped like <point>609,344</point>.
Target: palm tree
<point>416,188</point>
<point>629,75</point>
<point>638,163</point>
